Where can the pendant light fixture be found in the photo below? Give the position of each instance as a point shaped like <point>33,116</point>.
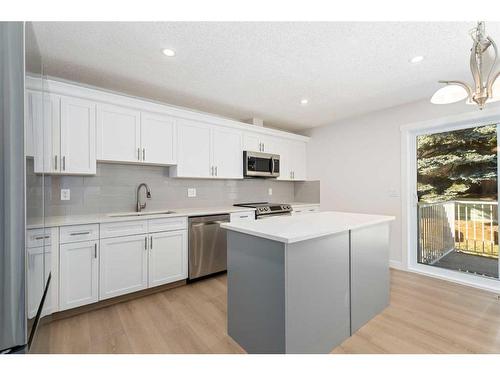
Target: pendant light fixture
<point>483,64</point>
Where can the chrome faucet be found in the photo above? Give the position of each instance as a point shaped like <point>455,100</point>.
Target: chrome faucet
<point>141,206</point>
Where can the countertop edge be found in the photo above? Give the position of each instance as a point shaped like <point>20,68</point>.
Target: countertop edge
<point>287,240</point>
<point>57,221</point>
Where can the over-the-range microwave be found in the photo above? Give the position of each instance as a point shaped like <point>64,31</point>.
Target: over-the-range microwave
<point>260,164</point>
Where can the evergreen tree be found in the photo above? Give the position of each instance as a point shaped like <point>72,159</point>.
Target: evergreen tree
<point>460,164</point>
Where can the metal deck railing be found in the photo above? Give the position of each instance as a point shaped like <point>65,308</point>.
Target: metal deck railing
<point>465,226</point>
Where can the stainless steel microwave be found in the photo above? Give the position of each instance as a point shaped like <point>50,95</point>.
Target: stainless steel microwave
<point>260,164</point>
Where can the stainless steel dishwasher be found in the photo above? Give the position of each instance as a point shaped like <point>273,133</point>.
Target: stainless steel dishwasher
<point>207,245</point>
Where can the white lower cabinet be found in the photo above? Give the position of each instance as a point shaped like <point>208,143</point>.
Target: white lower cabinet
<point>39,264</point>
<point>79,274</point>
<point>168,257</point>
<point>123,265</point>
<point>301,209</point>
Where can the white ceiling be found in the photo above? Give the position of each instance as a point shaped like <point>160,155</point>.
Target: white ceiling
<point>263,69</point>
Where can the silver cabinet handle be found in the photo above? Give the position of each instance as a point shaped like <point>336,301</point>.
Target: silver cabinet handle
<point>151,244</point>
<point>243,217</point>
<point>263,147</point>
<point>41,237</point>
<point>64,163</point>
<point>143,154</point>
<point>146,243</point>
<point>212,170</point>
<point>55,162</point>
<point>95,250</point>
<point>78,233</point>
<point>216,170</point>
<point>139,153</point>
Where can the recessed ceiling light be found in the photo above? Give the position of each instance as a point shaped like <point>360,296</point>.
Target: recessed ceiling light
<point>168,52</point>
<point>416,59</point>
<point>304,101</point>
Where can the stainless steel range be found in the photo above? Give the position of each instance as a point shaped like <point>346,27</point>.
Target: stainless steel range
<point>265,209</point>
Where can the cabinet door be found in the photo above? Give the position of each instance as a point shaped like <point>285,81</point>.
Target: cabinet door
<point>158,139</point>
<point>193,149</point>
<point>227,152</point>
<point>283,149</point>
<point>118,134</point>
<point>123,265</point>
<point>78,136</point>
<point>35,282</point>
<point>45,116</point>
<point>299,161</point>
<point>78,274</point>
<point>252,142</point>
<point>168,257</point>
<point>29,130</point>
<point>270,144</point>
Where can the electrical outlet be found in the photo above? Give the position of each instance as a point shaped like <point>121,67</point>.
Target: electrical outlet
<point>65,194</point>
<point>191,192</point>
<point>270,191</point>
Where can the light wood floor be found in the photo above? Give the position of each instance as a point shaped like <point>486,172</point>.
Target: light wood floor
<point>425,315</point>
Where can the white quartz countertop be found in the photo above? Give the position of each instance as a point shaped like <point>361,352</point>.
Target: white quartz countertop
<point>290,229</point>
<point>59,221</point>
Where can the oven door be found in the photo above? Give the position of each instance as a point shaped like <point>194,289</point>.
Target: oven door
<point>260,164</point>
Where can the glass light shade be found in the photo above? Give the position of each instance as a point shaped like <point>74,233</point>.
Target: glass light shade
<point>449,94</point>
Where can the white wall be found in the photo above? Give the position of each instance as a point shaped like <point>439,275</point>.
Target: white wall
<point>358,161</point>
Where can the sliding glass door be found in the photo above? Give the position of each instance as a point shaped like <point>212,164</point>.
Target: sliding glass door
<point>457,189</point>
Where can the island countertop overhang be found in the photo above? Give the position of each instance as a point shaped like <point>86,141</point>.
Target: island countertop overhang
<point>291,229</point>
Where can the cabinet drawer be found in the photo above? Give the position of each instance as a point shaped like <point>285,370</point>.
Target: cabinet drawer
<point>78,233</point>
<point>243,216</point>
<point>305,209</point>
<point>39,237</point>
<point>123,228</point>
<point>169,223</point>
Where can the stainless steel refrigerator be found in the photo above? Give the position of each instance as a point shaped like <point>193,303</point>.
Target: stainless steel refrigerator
<point>21,284</point>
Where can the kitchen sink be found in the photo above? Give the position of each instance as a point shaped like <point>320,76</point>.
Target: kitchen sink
<point>152,213</point>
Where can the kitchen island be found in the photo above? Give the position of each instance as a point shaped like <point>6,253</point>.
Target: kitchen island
<point>303,284</point>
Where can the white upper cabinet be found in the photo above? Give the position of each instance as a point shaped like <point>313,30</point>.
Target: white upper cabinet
<point>130,136</point>
<point>45,115</point>
<point>208,151</point>
<point>292,160</point>
<point>72,127</point>
<point>118,134</point>
<point>227,153</point>
<point>78,136</point>
<point>298,160</point>
<point>64,134</point>
<point>252,142</point>
<point>158,139</point>
<point>260,143</point>
<point>193,150</point>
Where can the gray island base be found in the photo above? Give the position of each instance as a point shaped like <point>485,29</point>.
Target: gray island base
<point>289,295</point>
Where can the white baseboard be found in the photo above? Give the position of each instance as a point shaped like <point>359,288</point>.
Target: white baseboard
<point>396,264</point>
